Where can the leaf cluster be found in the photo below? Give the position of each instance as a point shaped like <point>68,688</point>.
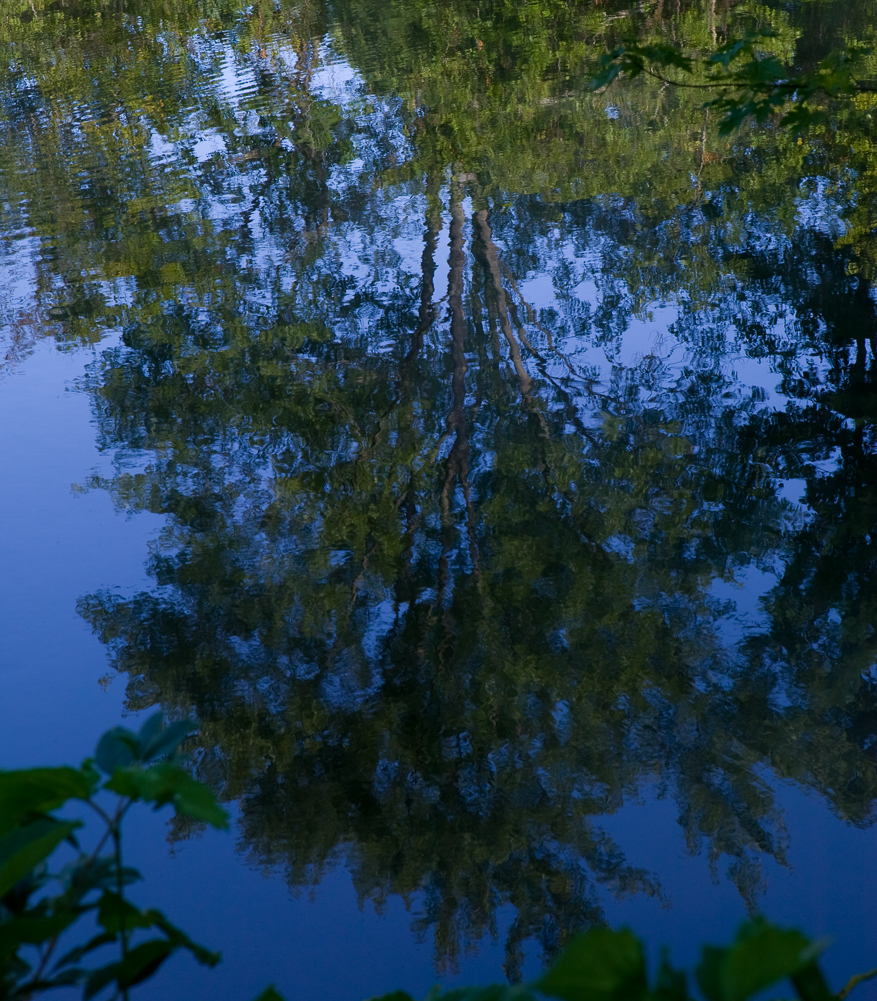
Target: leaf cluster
<point>608,965</point>
<point>752,83</point>
<point>39,904</point>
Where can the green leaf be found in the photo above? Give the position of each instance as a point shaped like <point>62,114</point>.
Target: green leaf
<point>601,965</point>
<point>801,118</point>
<point>115,912</point>
<point>668,55</point>
<point>140,964</point>
<point>32,930</point>
<point>98,979</point>
<point>105,938</point>
<point>167,783</point>
<point>760,956</point>
<point>15,968</point>
<point>206,957</point>
<point>39,790</point>
<point>709,972</point>
<point>116,749</point>
<point>492,992</point>
<point>15,901</point>
<point>670,984</point>
<point>725,54</point>
<point>611,71</point>
<point>810,984</point>
<point>85,875</point>
<point>65,979</point>
<point>151,728</point>
<point>165,741</point>
<point>25,847</point>
<point>142,961</point>
<point>270,994</point>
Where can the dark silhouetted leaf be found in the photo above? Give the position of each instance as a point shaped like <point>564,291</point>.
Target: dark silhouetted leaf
<point>114,913</point>
<point>670,984</point>
<point>67,978</point>
<point>152,726</point>
<point>760,956</point>
<point>75,955</point>
<point>206,957</point>
<point>86,874</point>
<point>32,930</point>
<point>140,963</point>
<point>24,847</point>
<point>39,790</point>
<point>164,741</point>
<point>270,994</point>
<point>810,984</point>
<point>167,783</point>
<point>492,992</point>
<point>98,979</point>
<point>709,972</point>
<point>116,749</point>
<point>598,966</point>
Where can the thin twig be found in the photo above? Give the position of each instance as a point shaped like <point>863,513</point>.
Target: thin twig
<point>112,827</point>
<point>864,87</point>
<point>859,978</point>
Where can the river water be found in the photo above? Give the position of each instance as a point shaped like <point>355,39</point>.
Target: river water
<point>486,464</point>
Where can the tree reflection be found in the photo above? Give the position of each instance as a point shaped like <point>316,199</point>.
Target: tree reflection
<point>438,613</point>
<point>445,560</point>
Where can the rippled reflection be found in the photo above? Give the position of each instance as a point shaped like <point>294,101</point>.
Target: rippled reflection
<point>468,396</point>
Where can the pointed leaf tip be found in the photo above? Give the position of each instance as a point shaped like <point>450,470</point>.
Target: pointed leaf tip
<point>269,994</point>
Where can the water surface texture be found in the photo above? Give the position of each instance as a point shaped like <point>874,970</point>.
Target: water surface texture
<point>487,463</point>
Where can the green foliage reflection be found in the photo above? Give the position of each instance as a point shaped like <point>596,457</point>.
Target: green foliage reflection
<point>445,568</point>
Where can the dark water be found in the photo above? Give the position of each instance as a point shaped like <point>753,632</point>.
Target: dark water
<point>501,459</point>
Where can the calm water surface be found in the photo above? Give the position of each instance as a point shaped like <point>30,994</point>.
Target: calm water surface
<point>487,464</point>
